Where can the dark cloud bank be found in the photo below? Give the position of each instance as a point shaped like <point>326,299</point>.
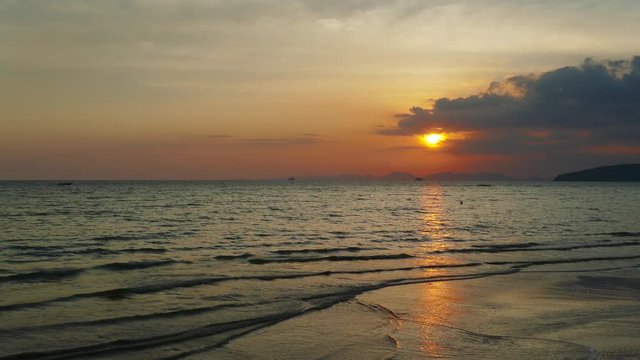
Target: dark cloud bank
<point>590,111</point>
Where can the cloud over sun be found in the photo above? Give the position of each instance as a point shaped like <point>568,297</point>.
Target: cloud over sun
<point>592,108</point>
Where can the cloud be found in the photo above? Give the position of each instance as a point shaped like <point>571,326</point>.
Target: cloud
<point>220,136</point>
<point>304,139</point>
<point>563,110</point>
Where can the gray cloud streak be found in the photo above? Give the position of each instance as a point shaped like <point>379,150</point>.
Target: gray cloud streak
<point>305,139</point>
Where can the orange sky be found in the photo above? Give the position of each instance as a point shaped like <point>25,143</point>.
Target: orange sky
<point>261,89</point>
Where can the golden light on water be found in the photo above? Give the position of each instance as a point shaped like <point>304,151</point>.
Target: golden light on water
<point>438,298</point>
<point>433,140</point>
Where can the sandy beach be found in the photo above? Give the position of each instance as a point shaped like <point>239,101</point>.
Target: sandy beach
<point>530,315</point>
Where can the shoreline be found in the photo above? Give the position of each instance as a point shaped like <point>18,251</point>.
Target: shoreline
<point>527,315</point>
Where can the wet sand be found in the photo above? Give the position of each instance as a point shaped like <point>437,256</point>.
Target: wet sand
<point>547,313</point>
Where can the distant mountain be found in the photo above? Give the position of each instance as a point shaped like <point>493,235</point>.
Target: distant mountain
<point>623,172</point>
<point>342,177</point>
<point>535,178</point>
<point>406,176</point>
<point>398,176</point>
<point>483,176</point>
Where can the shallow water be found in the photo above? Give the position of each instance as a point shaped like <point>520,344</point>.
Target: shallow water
<point>177,269</point>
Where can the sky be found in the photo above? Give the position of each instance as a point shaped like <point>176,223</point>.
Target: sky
<point>249,89</point>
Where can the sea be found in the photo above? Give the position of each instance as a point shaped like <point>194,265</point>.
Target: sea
<point>183,269</point>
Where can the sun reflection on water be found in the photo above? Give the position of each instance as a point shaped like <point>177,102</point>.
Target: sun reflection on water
<point>437,298</point>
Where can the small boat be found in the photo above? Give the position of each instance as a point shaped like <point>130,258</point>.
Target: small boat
<point>484,185</point>
<point>64,183</point>
<point>291,178</point>
<point>419,179</point>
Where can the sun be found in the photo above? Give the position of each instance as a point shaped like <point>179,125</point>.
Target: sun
<point>433,140</point>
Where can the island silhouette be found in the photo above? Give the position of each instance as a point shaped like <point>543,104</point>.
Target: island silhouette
<point>621,172</point>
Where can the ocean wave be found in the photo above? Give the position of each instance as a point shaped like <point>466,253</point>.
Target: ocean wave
<point>261,261</point>
<point>532,247</point>
<point>35,247</point>
<point>43,275</point>
<point>324,250</point>
<point>144,236</point>
<point>117,293</point>
<point>121,293</point>
<point>127,319</point>
<point>525,264</point>
<point>58,274</point>
<point>622,233</point>
<point>233,257</point>
<point>499,246</point>
<point>123,345</point>
<point>57,253</point>
<point>135,265</point>
<point>104,251</point>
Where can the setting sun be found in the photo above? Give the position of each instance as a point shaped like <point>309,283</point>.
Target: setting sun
<point>433,140</point>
